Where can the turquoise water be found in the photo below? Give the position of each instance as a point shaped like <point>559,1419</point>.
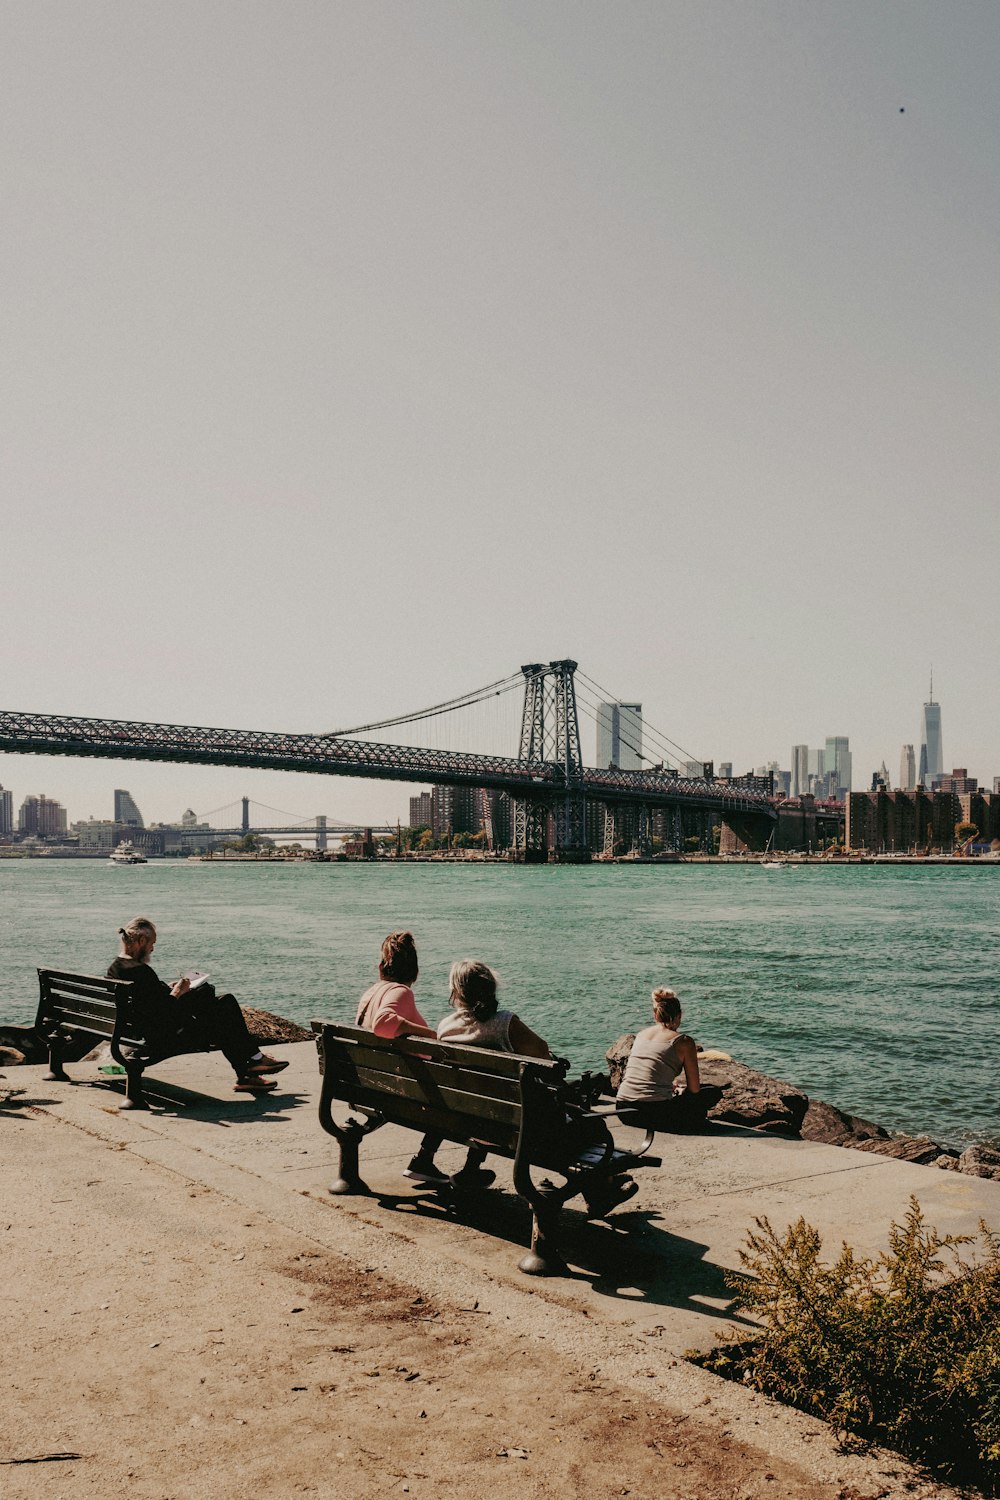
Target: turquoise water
<point>872,987</point>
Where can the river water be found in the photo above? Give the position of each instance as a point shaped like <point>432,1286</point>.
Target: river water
<point>871,987</point>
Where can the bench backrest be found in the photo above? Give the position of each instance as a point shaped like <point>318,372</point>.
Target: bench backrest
<point>463,1092</point>
<point>83,1004</point>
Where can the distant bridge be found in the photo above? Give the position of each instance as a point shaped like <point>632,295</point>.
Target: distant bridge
<point>546,781</point>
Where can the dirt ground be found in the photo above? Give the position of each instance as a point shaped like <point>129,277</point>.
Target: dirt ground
<point>165,1343</point>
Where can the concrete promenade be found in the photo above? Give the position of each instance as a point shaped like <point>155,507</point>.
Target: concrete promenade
<point>645,1286</point>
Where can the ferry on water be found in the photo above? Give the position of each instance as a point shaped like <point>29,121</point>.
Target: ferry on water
<point>127,854</point>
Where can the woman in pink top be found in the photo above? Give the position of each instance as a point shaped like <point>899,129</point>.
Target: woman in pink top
<point>389,1009</point>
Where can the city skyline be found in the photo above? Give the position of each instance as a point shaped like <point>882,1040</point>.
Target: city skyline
<point>361,359</point>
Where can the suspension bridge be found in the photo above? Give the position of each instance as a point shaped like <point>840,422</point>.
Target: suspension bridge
<point>547,782</point>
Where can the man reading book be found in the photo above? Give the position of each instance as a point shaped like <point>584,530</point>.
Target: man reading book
<point>182,1018</point>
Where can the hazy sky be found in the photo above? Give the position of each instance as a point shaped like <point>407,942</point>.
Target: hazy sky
<point>356,353</point>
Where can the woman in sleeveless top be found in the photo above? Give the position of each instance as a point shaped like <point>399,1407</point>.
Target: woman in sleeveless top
<point>660,1055</point>
<point>476,1019</point>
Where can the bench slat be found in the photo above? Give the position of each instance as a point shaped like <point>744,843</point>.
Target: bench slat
<point>457,1099</point>
<point>80,1005</point>
<point>501,1139</point>
<point>346,1061</point>
<point>499,1064</point>
<point>99,981</point>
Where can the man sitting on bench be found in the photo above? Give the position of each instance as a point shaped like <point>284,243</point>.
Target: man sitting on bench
<point>178,1019</point>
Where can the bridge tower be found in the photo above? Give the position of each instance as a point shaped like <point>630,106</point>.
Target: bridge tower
<point>550,732</point>
<point>245,823</point>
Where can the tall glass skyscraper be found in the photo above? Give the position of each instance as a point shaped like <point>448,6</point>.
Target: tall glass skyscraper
<point>931,755</point>
<point>838,763</point>
<point>619,736</point>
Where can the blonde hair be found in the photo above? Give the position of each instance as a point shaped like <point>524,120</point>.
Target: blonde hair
<point>666,1006</point>
<point>473,986</point>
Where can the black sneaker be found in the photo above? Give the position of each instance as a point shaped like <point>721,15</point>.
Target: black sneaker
<point>422,1169</point>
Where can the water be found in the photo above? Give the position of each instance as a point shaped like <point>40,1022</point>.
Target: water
<point>871,987</point>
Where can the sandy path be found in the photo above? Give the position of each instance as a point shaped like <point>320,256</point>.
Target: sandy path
<point>185,1348</point>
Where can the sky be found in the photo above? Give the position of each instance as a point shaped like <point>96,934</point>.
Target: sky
<point>355,354</point>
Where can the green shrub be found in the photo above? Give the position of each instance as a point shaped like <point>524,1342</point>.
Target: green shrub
<point>903,1349</point>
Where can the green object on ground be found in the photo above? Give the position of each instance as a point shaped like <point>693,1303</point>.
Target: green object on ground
<point>115,1068</point>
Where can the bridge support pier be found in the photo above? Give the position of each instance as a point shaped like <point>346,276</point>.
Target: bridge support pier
<point>550,732</point>
<point>745,833</point>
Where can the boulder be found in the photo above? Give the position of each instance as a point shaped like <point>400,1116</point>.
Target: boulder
<point>916,1148</point>
<point>754,1099</point>
<point>269,1030</point>
<point>980,1161</point>
<point>834,1127</point>
<point>26,1041</point>
<point>10,1057</point>
<point>617,1057</point>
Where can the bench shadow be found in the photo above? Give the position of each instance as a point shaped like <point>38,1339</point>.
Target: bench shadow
<point>628,1256</point>
<point>179,1102</point>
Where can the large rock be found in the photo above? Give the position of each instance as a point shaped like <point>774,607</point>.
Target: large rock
<point>833,1127</point>
<point>749,1098</point>
<point>980,1161</point>
<point>754,1099</point>
<point>617,1057</point>
<point>916,1148</point>
<point>25,1041</point>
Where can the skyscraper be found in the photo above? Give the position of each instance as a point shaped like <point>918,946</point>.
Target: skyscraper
<point>126,810</point>
<point>931,755</point>
<point>619,736</point>
<point>800,771</point>
<point>907,769</point>
<point>6,811</point>
<point>838,764</point>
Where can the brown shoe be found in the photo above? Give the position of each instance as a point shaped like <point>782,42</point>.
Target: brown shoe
<point>266,1065</point>
<point>254,1084</point>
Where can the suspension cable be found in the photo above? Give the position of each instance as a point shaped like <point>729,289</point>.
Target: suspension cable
<point>466,700</point>
<point>656,734</point>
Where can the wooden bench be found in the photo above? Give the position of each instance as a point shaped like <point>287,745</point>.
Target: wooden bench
<point>517,1107</point>
<point>82,1007</point>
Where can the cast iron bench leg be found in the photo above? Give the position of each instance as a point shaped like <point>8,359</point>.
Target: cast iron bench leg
<point>57,1073</point>
<point>349,1138</point>
<point>134,1096</point>
<point>544,1259</point>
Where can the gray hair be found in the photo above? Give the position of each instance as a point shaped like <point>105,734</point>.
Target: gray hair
<point>136,930</point>
<point>473,986</point>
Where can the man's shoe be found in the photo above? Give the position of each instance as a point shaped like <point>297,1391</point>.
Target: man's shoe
<point>474,1177</point>
<point>267,1064</point>
<point>253,1083</point>
<point>422,1169</point>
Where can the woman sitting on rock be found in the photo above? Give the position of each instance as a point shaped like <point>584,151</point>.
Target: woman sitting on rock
<point>652,1082</point>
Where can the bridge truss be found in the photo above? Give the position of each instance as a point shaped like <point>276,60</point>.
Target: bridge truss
<point>546,780</point>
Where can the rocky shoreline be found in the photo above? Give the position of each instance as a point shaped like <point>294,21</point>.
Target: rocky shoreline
<point>759,1102</point>
<point>750,1098</point>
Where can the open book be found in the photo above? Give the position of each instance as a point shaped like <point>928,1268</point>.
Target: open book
<point>195,978</point>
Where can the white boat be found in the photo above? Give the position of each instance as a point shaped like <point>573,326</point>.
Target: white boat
<point>127,854</point>
<point>769,861</point>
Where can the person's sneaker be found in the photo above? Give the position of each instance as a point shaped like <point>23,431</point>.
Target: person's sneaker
<point>422,1169</point>
<point>265,1064</point>
<point>474,1177</point>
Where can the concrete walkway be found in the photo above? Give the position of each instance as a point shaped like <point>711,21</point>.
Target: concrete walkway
<point>644,1286</point>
